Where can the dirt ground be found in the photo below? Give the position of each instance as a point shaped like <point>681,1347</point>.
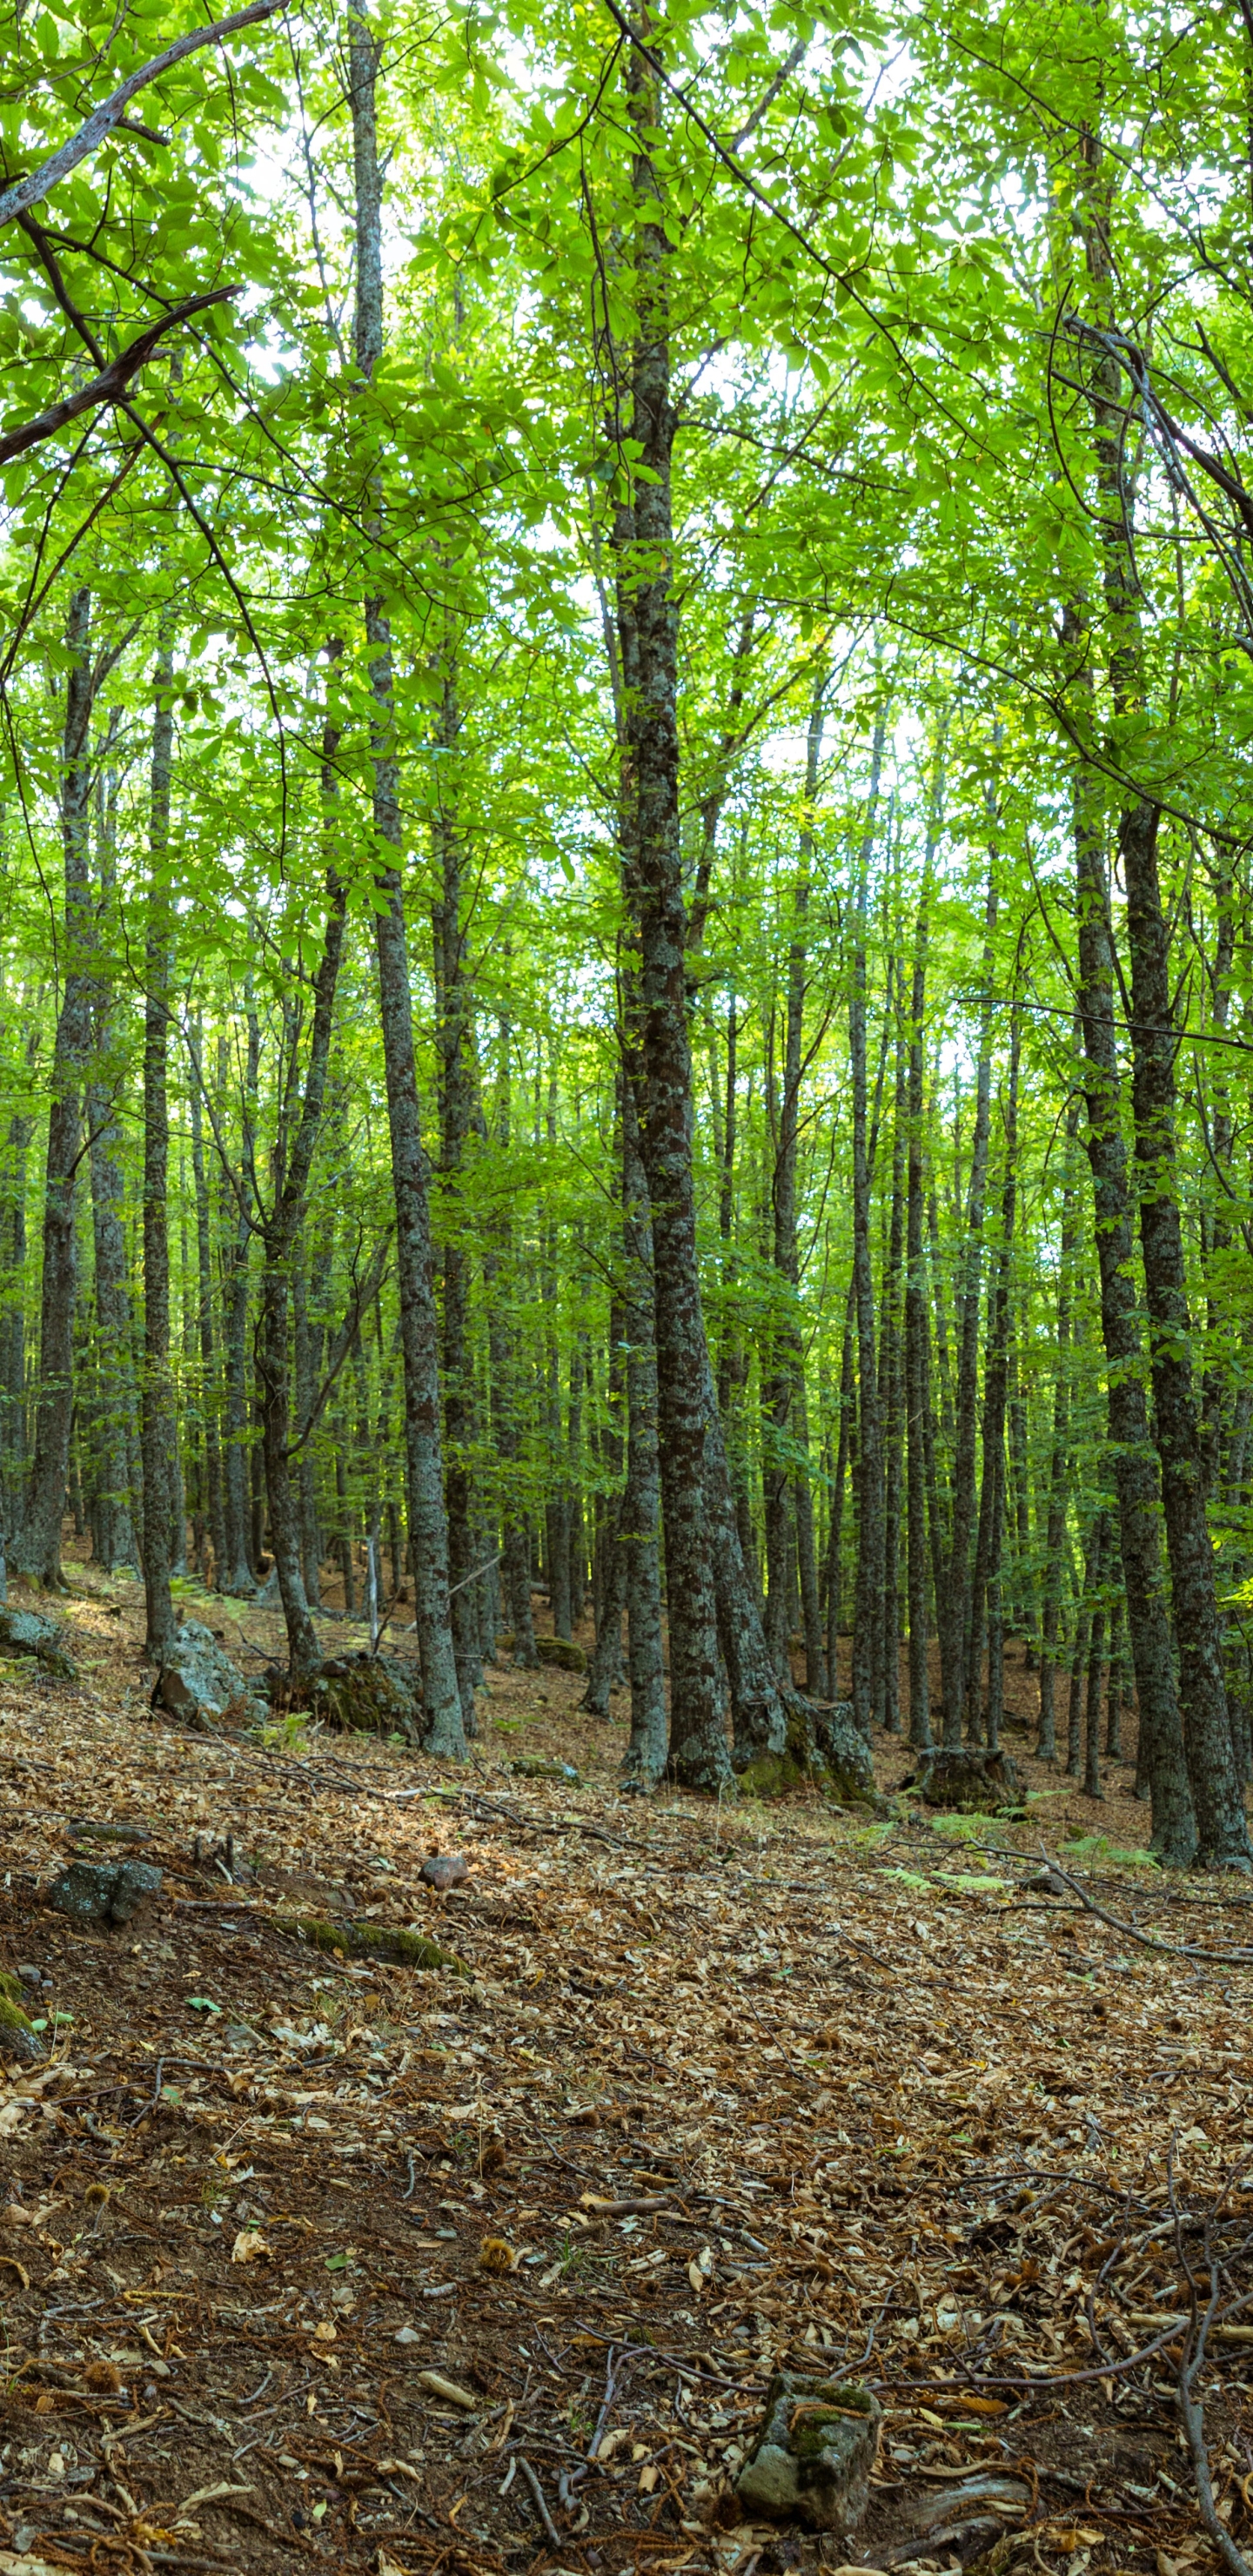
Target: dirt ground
<point>487,2267</point>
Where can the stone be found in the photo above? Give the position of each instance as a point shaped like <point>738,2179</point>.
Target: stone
<point>17,2039</point>
<point>104,1891</point>
<point>369,1695</point>
<point>968,1782</point>
<point>812,2459</point>
<point>26,1632</point>
<point>197,1682</point>
<point>562,1652</point>
<point>445,1869</point>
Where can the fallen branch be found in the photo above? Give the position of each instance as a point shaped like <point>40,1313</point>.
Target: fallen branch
<point>1148,1940</point>
<point>1192,2362</point>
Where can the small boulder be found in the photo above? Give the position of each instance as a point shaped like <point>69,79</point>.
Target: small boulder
<point>563,1652</point>
<point>197,1683</point>
<point>369,1695</point>
<point>968,1782</point>
<point>26,1632</point>
<point>445,1869</point>
<point>101,1891</point>
<point>812,2459</point>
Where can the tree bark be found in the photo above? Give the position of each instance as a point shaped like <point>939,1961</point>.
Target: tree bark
<point>660,1062</point>
<point>157,1392</point>
<point>428,1525</point>
<point>867,1674</point>
<point>456,1113</point>
<point>987,1569</point>
<point>38,1548</point>
<point>113,1531</point>
<point>1059,1463</point>
<point>917,1354</point>
<point>954,1612</point>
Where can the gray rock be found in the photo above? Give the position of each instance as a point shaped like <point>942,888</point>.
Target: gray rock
<point>104,1891</point>
<point>445,1869</point>
<point>197,1682</point>
<point>26,1632</point>
<point>814,2453</point>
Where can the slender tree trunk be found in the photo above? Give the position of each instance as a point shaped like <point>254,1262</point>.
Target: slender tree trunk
<point>835,1532</point>
<point>114,1540</point>
<point>987,1571</point>
<point>1059,1464</point>
<point>204,1285</point>
<point>786,1488</point>
<point>38,1548</point>
<point>892,1402</point>
<point>240,1561</point>
<point>506,1417</point>
<point>917,1353</point>
<point>867,1675</point>
<point>954,1613</point>
<point>640,1526</point>
<point>1102,1549</point>
<point>456,1107</point>
<point>428,1525</point>
<point>157,1392</point>
<point>1217,1793</point>
<point>660,1065</point>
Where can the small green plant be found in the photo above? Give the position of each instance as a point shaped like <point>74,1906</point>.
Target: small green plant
<point>572,2256</point>
<point>285,1734</point>
<point>1099,1847</point>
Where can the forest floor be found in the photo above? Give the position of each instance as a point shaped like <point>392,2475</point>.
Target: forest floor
<point>720,2087</point>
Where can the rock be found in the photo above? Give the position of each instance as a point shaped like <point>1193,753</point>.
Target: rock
<point>25,1632</point>
<point>445,1869</point>
<point>369,1695</point>
<point>29,1973</point>
<point>1045,1882</point>
<point>563,1652</point>
<point>813,2457</point>
<point>969,1782</point>
<point>17,2039</point>
<point>407,2334</point>
<point>197,1682</point>
<point>104,1891</point>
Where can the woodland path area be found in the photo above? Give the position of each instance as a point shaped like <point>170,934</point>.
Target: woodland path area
<point>722,2084</point>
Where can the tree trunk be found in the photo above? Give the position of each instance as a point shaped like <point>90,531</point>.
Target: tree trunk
<point>1059,1464</point>
<point>868,1604</point>
<point>786,1489</point>
<point>428,1526</point>
<point>644,1761</point>
<point>987,1570</point>
<point>1217,1793</point>
<point>114,1537</point>
<point>892,1403</point>
<point>456,1113</point>
<point>38,1548</point>
<point>204,1286</point>
<point>660,1064</point>
<point>917,1354</point>
<point>238,1576</point>
<point>954,1612</point>
<point>157,1391</point>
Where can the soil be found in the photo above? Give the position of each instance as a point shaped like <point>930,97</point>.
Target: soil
<point>706,2090</point>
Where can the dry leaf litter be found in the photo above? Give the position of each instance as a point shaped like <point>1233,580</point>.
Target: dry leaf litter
<point>310,2259</point>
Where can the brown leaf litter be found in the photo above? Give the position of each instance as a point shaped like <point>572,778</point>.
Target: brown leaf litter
<point>318,2261</point>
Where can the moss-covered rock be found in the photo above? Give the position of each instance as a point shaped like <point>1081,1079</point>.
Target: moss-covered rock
<point>369,1695</point>
<point>26,1632</point>
<point>563,1652</point>
<point>395,1943</point>
<point>17,2039</point>
<point>812,2459</point>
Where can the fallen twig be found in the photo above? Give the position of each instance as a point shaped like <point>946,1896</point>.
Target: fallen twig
<point>1148,1940</point>
<point>550,2528</point>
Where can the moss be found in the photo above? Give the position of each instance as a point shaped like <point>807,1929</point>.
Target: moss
<point>12,2016</point>
<point>10,1986</point>
<point>561,1651</point>
<point>393,1942</point>
<point>771,1775</point>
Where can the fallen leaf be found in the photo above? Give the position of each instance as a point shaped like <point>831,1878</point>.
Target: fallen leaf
<point>250,2246</point>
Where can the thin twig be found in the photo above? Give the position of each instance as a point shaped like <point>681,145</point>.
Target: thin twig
<point>1147,1940</point>
<point>550,2527</point>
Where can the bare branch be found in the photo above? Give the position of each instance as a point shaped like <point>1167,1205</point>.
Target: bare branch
<point>108,116</point>
<point>111,384</point>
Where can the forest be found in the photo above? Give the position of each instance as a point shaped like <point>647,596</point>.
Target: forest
<point>626,1287</point>
<point>626,859</point>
